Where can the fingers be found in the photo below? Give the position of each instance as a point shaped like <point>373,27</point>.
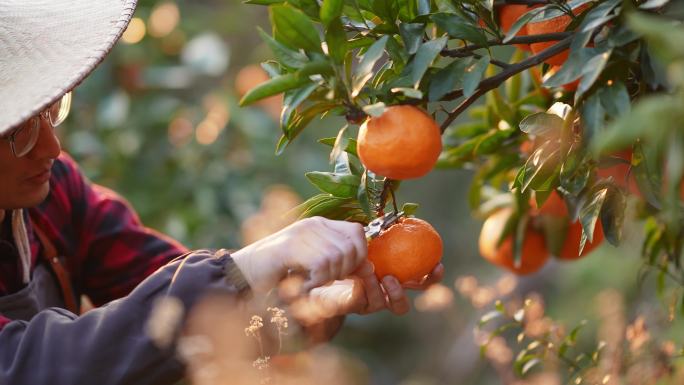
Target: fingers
<point>375,298</point>
<point>398,302</point>
<point>354,233</point>
<point>435,276</point>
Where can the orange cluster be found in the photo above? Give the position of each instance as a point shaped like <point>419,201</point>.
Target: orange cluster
<point>535,248</point>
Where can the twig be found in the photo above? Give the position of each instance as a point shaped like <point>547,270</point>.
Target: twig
<point>498,63</point>
<point>527,39</point>
<point>496,80</point>
<point>461,107</point>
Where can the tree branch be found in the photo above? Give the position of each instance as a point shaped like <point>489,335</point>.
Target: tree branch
<point>495,81</point>
<point>527,39</point>
<point>461,107</point>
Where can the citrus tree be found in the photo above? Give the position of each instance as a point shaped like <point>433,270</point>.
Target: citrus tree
<point>564,110</point>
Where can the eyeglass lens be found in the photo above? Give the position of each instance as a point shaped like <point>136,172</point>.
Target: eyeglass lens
<point>26,137</point>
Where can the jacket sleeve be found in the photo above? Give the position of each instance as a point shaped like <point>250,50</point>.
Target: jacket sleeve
<point>109,250</point>
<point>109,345</point>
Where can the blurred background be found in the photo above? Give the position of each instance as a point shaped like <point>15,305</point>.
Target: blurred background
<point>158,122</point>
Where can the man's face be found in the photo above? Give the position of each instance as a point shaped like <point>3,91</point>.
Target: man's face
<point>24,182</point>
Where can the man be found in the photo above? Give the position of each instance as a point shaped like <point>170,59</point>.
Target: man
<point>61,237</point>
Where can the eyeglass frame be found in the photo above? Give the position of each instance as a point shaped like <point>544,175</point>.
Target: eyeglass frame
<point>34,122</point>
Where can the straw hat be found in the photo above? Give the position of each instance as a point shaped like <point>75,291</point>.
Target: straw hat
<point>47,47</point>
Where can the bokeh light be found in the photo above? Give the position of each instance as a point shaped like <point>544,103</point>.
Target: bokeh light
<point>135,32</point>
<point>164,19</point>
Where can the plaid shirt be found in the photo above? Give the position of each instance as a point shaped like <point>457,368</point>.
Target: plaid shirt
<point>108,251</point>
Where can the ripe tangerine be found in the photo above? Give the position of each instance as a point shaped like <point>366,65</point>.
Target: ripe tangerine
<point>534,253</point>
<point>552,25</point>
<point>402,143</point>
<point>408,250</point>
<point>555,206</point>
<point>509,14</point>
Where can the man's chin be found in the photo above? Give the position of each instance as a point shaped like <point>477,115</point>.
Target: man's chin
<point>36,196</point>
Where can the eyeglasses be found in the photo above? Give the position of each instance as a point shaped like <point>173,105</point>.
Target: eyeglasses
<point>24,138</point>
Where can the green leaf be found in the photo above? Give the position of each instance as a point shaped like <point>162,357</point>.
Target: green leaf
<point>425,55</point>
<point>336,39</point>
<point>309,7</point>
<point>362,193</point>
<point>491,142</point>
<point>459,28</point>
<point>591,72</point>
<point>593,116</point>
<point>273,87</point>
<point>387,10</point>
<point>521,22</point>
<point>331,10</point>
<point>575,173</point>
<point>572,68</point>
<point>409,92</point>
<point>320,205</point>
<point>653,4</point>
<point>613,215</point>
<point>446,6</point>
<point>615,99</point>
<point>350,148</point>
<point>473,75</point>
<point>663,112</point>
<point>284,54</point>
<point>412,35</point>
<point>293,100</point>
<point>663,37</point>
<point>423,7</point>
<point>647,174</point>
<point>447,79</point>
<point>540,169</point>
<point>410,208</point>
<point>542,123</point>
<point>599,15</point>
<point>295,29</point>
<point>341,143</point>
<point>589,214</point>
<point>299,122</point>
<point>339,185</point>
<point>621,36</point>
<point>375,110</point>
<point>365,69</point>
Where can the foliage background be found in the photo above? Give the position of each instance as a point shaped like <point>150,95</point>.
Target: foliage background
<point>134,128</point>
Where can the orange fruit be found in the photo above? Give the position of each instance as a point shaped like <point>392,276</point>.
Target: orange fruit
<point>555,206</point>
<point>556,24</point>
<point>408,250</point>
<point>402,143</point>
<point>509,14</point>
<point>570,250</point>
<point>534,253</point>
<point>250,77</point>
<point>621,173</point>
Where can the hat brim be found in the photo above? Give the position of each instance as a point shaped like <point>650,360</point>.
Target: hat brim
<point>48,48</point>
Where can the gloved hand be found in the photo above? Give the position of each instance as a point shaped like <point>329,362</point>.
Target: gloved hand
<point>321,249</point>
